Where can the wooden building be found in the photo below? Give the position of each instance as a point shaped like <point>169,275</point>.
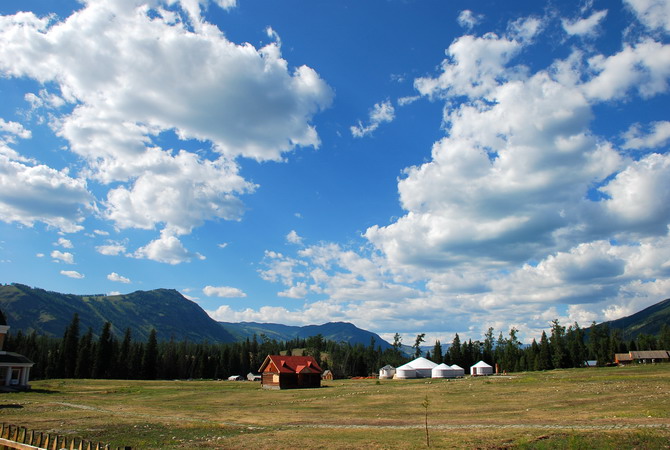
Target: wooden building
<point>14,368</point>
<point>290,372</point>
<point>642,357</point>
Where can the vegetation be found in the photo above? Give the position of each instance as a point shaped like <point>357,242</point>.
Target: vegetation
<point>611,407</point>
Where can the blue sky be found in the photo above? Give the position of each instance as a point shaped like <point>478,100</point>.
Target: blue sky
<point>431,167</point>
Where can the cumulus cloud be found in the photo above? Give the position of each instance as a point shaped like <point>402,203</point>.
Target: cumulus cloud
<point>294,238</point>
<point>653,13</point>
<point>117,278</point>
<point>37,193</point>
<point>657,135</point>
<point>382,112</point>
<point>150,80</point>
<point>65,243</point>
<point>72,274</point>
<point>65,257</point>
<point>467,19</point>
<point>223,291</point>
<point>584,27</point>
<point>112,248</point>
<point>166,249</point>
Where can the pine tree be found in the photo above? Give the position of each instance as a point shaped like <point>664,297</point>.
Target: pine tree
<point>104,354</point>
<point>150,357</point>
<point>85,356</point>
<point>557,341</point>
<point>122,367</point>
<point>455,354</point>
<point>437,353</point>
<point>544,357</point>
<point>417,344</point>
<point>69,346</point>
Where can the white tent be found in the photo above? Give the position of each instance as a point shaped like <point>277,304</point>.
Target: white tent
<point>419,368</point>
<point>387,371</point>
<point>481,368</point>
<point>405,371</point>
<point>442,371</point>
<point>458,370</point>
<point>424,367</point>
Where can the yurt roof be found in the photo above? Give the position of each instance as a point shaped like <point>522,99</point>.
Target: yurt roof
<point>387,367</point>
<point>442,366</point>
<point>457,367</point>
<point>481,364</point>
<point>405,367</point>
<point>421,363</point>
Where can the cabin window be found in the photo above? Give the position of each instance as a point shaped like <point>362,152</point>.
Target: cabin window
<point>275,378</point>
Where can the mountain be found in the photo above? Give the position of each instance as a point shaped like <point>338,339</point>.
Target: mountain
<point>166,310</point>
<point>331,331</point>
<point>647,321</point>
<point>170,313</point>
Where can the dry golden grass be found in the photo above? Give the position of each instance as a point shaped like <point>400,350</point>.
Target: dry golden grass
<point>622,407</point>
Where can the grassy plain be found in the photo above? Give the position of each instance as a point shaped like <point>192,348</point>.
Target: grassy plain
<point>578,408</point>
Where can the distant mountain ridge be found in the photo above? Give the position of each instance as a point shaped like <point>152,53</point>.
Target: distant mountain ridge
<point>168,311</point>
<point>646,321</point>
<point>331,331</point>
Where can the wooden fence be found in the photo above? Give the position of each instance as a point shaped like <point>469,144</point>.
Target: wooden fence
<point>17,437</point>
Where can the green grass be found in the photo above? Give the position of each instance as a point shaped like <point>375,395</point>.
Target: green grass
<point>581,408</point>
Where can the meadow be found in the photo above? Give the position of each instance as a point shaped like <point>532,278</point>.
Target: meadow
<point>614,407</point>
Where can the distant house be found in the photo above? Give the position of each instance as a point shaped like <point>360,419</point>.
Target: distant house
<point>327,375</point>
<point>641,357</point>
<point>253,377</point>
<point>418,368</point>
<point>14,368</point>
<point>236,378</point>
<point>290,372</point>
<point>386,372</point>
<point>481,368</point>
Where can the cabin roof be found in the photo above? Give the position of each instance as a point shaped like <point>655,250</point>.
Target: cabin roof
<point>290,364</point>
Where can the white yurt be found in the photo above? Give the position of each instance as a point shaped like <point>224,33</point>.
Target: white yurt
<point>442,371</point>
<point>458,370</point>
<point>386,372</point>
<point>405,371</point>
<point>481,368</point>
<point>424,367</point>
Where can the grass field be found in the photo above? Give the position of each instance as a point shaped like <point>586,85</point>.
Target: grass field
<point>580,408</point>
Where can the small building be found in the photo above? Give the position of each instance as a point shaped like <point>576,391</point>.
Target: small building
<point>290,372</point>
<point>386,372</point>
<point>236,378</point>
<point>481,368</point>
<point>418,368</point>
<point>442,371</point>
<point>327,375</point>
<point>458,370</point>
<point>592,362</point>
<point>253,376</point>
<point>14,368</point>
<point>650,356</point>
<point>405,372</point>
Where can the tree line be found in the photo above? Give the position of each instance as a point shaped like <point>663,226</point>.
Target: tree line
<point>85,355</point>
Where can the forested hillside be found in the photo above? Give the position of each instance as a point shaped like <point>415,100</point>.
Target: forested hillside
<point>165,310</point>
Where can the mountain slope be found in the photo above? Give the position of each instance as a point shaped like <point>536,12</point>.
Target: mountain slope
<point>166,310</point>
<point>647,321</point>
<point>332,331</point>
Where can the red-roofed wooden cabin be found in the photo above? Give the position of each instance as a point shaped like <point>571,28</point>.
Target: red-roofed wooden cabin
<point>290,372</point>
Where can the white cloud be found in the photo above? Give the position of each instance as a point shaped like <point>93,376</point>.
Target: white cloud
<point>118,278</point>
<point>112,248</point>
<point>223,291</point>
<point>467,19</point>
<point>653,13</point>
<point>380,113</point>
<point>40,255</point>
<point>148,80</point>
<point>294,238</point>
<point>166,249</point>
<point>644,66</point>
<point>37,193</point>
<point>65,257</point>
<point>584,27</point>
<point>72,274</point>
<point>657,136</point>
<point>65,243</point>
<point>222,245</point>
<point>101,232</point>
<point>298,291</point>
<point>14,129</point>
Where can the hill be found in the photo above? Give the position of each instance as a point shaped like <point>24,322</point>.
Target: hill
<point>331,331</point>
<point>647,321</point>
<point>166,310</point>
